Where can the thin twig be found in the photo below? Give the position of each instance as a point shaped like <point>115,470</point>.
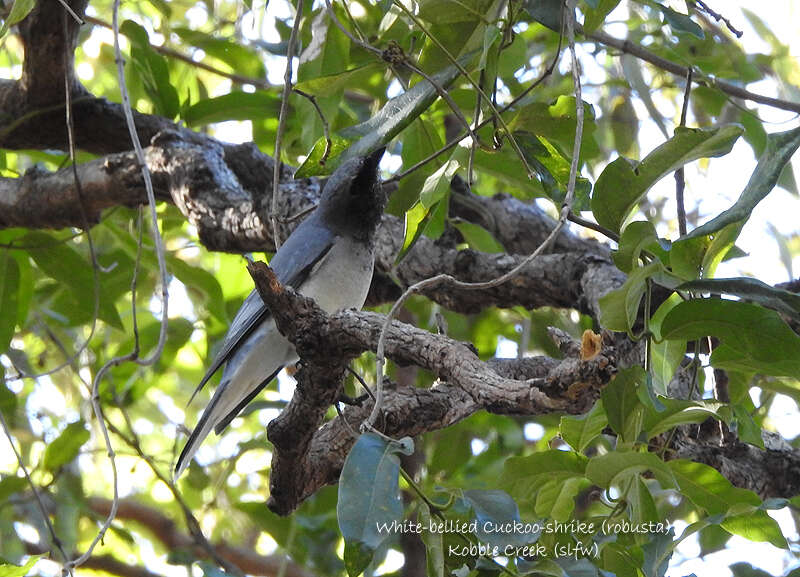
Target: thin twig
<point>36,495</point>
<point>566,209</point>
<point>680,175</point>
<point>514,144</point>
<point>156,353</point>
<point>287,89</point>
<point>717,16</point>
<point>450,144</point>
<point>72,13</point>
<point>731,89</point>
<point>326,130</point>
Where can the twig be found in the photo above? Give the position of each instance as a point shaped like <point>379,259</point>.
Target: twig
<point>156,353</point>
<point>450,144</point>
<point>475,85</point>
<point>680,177</point>
<point>36,495</point>
<point>731,89</point>
<point>326,131</point>
<point>717,16</point>
<point>593,226</point>
<point>72,13</point>
<point>287,89</point>
<point>566,209</point>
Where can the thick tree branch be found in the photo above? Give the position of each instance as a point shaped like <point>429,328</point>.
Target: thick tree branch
<point>327,343</point>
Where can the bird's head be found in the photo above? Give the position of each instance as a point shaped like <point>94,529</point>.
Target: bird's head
<point>352,201</point>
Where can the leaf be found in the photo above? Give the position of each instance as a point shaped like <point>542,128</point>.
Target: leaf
<point>579,431</point>
<point>522,477</point>
<point>331,84</point>
<point>622,406</point>
<point>708,489</point>
<point>753,337</point>
<point>780,148</point>
<point>756,526</point>
<point>552,168</point>
<point>667,354</point>
<point>636,237</point>
<point>619,308</point>
<point>478,237</point>
<point>369,496</point>
<point>19,11</point>
<point>232,106</point>
<point>8,570</point>
<point>63,264</point>
<point>438,184</point>
<point>681,22</point>
<point>390,120</point>
<point>624,183</point>
<point>596,14</point>
<point>434,544</point>
<point>745,427</point>
<point>198,280</point>
<point>696,257</point>
<point>751,289</point>
<point>545,12</point>
<point>619,467</point>
<point>9,291</point>
<point>556,122</point>
<point>64,448</point>
<point>152,69</point>
<point>681,412</point>
<point>556,498</point>
<point>10,485</point>
<point>495,509</point>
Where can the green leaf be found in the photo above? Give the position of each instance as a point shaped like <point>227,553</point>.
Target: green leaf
<point>556,122</point>
<point>523,477</point>
<point>579,431</point>
<point>552,168</point>
<point>750,289</point>
<point>624,183</point>
<point>666,354</point>
<point>64,448</point>
<point>681,22</point>
<point>369,497</point>
<point>619,308</point>
<point>694,257</point>
<point>756,526</point>
<point>232,106</point>
<point>478,237</point>
<point>622,406</point>
<point>8,570</point>
<point>681,412</point>
<point>63,264</point>
<point>545,12</point>
<point>780,148</point>
<point>416,220</point>
<point>753,337</point>
<point>708,489</point>
<point>619,467</point>
<point>198,280</point>
<point>745,427</point>
<point>152,69</point>
<point>9,291</point>
<point>556,498</point>
<point>434,544</point>
<point>437,185</point>
<point>636,237</point>
<point>19,11</point>
<point>596,14</point>
<point>10,485</point>
<point>390,120</point>
<point>332,84</point>
<point>495,509</point>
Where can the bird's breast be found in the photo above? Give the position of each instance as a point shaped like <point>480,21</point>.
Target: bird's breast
<point>342,278</point>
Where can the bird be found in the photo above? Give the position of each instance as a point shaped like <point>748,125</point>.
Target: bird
<point>330,258</point>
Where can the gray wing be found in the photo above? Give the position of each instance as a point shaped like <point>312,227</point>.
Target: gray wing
<point>306,246</point>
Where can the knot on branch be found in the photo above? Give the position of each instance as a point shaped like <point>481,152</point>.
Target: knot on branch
<point>393,53</point>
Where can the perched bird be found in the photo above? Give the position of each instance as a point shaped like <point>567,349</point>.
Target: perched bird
<point>329,257</point>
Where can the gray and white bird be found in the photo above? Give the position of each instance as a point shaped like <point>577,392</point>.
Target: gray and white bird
<point>329,257</point>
